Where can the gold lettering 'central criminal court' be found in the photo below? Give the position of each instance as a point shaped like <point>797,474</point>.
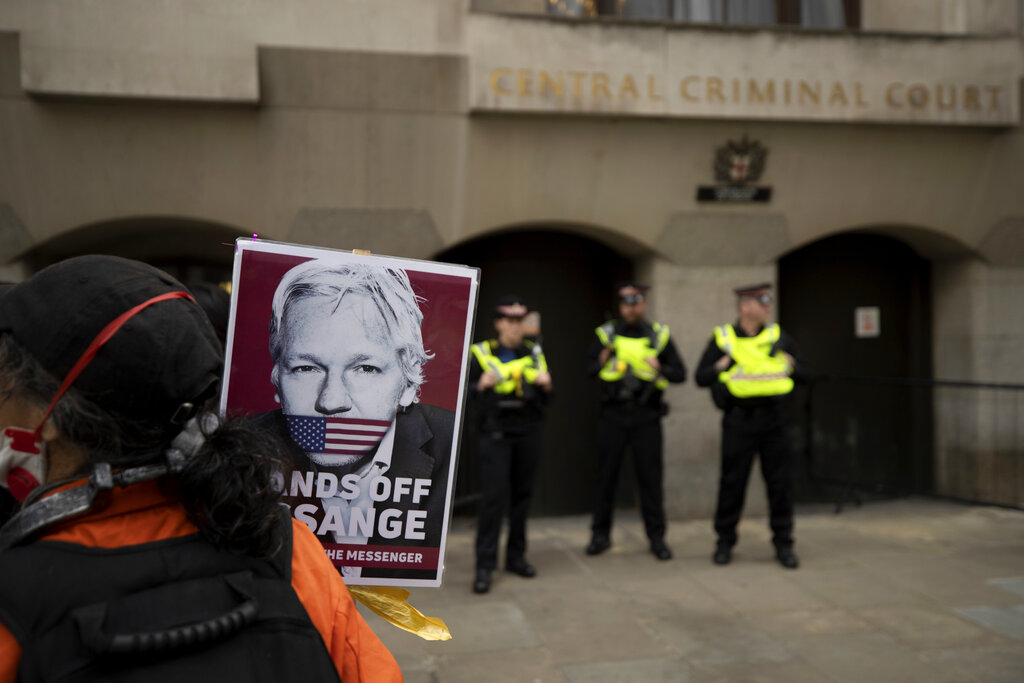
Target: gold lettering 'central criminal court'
<point>602,90</point>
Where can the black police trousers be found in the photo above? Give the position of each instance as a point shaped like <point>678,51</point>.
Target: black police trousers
<point>639,429</point>
<point>508,463</point>
<point>747,432</point>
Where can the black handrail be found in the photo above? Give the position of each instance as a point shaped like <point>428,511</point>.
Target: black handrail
<point>849,485</point>
<point>917,381</point>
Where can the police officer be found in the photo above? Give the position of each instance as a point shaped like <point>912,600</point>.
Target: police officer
<point>510,386</point>
<point>750,366</point>
<point>635,360</point>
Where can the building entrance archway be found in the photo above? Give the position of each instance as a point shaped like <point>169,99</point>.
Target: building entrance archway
<point>190,250</point>
<point>875,431</point>
<point>569,280</point>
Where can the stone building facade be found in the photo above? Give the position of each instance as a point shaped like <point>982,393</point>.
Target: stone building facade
<point>868,170</point>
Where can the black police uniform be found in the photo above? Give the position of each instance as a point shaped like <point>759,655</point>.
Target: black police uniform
<point>631,412</point>
<point>752,426</point>
<point>509,429</point>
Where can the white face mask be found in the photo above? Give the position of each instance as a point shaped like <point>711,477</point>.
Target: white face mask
<point>22,461</point>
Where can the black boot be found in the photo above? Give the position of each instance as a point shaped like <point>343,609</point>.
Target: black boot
<point>660,550</point>
<point>482,582</point>
<point>521,567</point>
<point>723,554</point>
<point>598,544</point>
<point>787,558</point>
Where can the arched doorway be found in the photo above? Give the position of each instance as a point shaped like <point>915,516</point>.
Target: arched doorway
<point>569,279</point>
<point>862,431</point>
<point>190,250</point>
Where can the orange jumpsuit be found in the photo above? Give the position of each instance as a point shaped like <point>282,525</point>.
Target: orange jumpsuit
<point>142,513</point>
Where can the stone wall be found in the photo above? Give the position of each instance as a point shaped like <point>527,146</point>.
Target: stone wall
<point>692,300</point>
<point>355,131</point>
<point>977,335</point>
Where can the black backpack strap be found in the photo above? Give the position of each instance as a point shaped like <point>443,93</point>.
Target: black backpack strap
<point>230,598</point>
<point>169,619</point>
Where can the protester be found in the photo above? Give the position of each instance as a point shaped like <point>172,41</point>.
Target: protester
<point>155,548</point>
<point>8,503</point>
<point>635,361</point>
<point>750,366</point>
<point>510,384</point>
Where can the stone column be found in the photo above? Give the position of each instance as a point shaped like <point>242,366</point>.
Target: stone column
<point>978,334</point>
<point>703,257</point>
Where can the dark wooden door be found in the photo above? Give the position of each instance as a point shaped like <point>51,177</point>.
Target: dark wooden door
<point>569,280</point>
<point>867,424</point>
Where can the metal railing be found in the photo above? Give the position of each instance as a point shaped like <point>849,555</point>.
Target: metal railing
<point>947,439</point>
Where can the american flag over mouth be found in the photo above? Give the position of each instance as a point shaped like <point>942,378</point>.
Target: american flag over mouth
<point>341,435</point>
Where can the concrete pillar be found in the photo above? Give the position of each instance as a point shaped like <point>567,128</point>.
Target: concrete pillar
<point>692,300</point>
<point>977,331</point>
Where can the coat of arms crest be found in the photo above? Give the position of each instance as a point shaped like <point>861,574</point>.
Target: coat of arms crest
<point>739,163</point>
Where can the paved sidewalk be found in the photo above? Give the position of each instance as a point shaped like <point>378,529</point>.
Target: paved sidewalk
<point>903,591</point>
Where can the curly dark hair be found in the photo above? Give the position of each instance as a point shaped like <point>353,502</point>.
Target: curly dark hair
<point>230,487</point>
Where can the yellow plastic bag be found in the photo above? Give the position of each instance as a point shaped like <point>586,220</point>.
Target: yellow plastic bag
<point>391,605</point>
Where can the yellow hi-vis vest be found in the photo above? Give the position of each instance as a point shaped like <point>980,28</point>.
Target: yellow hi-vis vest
<point>631,354</point>
<point>512,373</point>
<point>756,372</point>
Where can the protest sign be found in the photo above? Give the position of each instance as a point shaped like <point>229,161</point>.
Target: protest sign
<point>357,361</point>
